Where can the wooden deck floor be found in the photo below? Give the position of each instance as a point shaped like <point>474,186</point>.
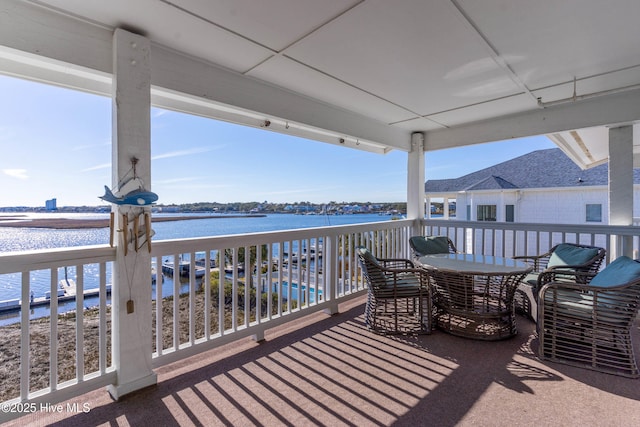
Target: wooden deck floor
<point>331,371</point>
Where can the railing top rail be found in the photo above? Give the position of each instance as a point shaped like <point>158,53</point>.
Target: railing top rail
<point>267,237</point>
<point>14,262</point>
<point>622,230</point>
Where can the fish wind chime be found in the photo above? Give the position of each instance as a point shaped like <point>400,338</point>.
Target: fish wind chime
<point>131,192</point>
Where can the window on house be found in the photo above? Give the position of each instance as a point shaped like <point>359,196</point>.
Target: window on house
<point>452,208</point>
<point>509,213</point>
<point>594,212</point>
<point>487,212</point>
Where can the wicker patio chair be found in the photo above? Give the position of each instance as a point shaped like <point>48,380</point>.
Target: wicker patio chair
<point>561,262</point>
<point>398,298</point>
<point>589,325</point>
<point>430,245</point>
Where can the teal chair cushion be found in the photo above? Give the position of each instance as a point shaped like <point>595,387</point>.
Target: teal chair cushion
<point>531,279</point>
<point>619,272</point>
<point>566,254</point>
<point>431,245</point>
<point>368,256</point>
<point>374,269</point>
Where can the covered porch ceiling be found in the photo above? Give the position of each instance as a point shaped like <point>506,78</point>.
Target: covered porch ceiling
<point>361,73</point>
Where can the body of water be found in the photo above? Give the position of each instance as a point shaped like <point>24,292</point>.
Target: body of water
<point>23,239</point>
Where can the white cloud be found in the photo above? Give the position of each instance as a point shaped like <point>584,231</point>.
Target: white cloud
<point>177,180</point>
<point>97,167</point>
<point>292,192</point>
<point>156,112</point>
<point>179,153</point>
<point>16,173</point>
<point>191,187</point>
<point>91,146</point>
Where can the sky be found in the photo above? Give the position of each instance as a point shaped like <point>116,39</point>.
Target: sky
<point>56,143</point>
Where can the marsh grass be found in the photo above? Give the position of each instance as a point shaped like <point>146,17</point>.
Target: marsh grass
<point>40,331</point>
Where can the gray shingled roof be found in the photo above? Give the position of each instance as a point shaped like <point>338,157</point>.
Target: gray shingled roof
<point>538,169</point>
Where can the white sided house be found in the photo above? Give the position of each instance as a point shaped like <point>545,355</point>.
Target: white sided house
<point>544,186</point>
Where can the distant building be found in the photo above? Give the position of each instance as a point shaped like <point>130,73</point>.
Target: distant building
<point>51,205</point>
<point>544,186</point>
<point>299,208</point>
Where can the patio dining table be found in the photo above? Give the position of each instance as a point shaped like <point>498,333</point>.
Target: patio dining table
<point>473,294</point>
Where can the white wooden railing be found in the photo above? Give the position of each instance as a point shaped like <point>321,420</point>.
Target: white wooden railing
<point>294,281</point>
<point>54,376</point>
<point>516,239</point>
<point>200,315</point>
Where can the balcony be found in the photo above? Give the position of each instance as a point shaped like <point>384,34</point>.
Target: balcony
<point>480,81</point>
<point>311,359</point>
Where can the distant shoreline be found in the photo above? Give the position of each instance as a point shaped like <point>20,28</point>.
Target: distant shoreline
<point>67,223</point>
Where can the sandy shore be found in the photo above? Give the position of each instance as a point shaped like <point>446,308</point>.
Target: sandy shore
<point>67,223</point>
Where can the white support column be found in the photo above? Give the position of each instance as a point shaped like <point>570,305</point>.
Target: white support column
<point>621,184</point>
<point>131,298</point>
<point>461,206</point>
<point>415,181</point>
<point>427,204</point>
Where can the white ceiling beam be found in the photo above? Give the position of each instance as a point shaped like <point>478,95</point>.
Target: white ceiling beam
<point>41,32</point>
<point>190,76</point>
<point>607,110</point>
<point>53,41</point>
<point>24,65</point>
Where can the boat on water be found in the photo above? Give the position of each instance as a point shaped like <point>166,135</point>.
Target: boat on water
<point>228,269</point>
<point>184,269</point>
<point>295,257</point>
<point>200,262</point>
<point>154,274</point>
<point>315,250</point>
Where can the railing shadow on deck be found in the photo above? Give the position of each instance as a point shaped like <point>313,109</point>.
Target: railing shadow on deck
<point>329,372</point>
<point>191,317</point>
<point>333,371</point>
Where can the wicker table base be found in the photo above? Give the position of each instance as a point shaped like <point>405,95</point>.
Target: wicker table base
<point>473,295</point>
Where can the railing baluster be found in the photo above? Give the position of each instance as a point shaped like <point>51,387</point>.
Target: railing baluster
<point>102,329</point>
<point>221,296</point>
<point>247,286</point>
<point>159,307</point>
<point>346,251</point>
<point>320,283</point>
<point>79,323</point>
<point>176,301</point>
<point>192,297</point>
<point>24,336</point>
<point>257,285</point>
<point>306,271</point>
<point>53,343</point>
<point>206,287</point>
<point>289,274</point>
<point>234,289</point>
<point>278,284</point>
<point>269,282</point>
